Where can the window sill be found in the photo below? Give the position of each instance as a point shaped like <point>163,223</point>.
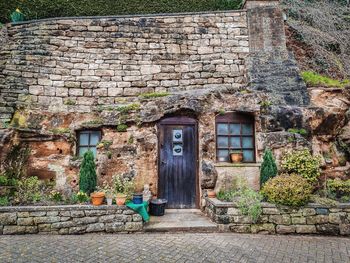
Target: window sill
<point>227,164</point>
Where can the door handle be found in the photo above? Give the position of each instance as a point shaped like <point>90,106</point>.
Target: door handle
<point>163,162</point>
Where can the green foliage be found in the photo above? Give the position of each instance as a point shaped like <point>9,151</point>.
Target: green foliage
<point>268,167</point>
<point>87,174</point>
<point>4,201</point>
<point>15,161</point>
<point>302,163</point>
<point>127,108</point>
<point>302,132</point>
<point>291,190</point>
<point>107,188</point>
<point>123,185</point>
<point>105,144</point>
<point>152,95</point>
<point>59,131</point>
<point>3,180</point>
<point>38,9</point>
<point>314,79</point>
<point>248,200</point>
<point>265,104</point>
<point>17,16</point>
<point>323,200</point>
<point>28,190</point>
<point>122,127</point>
<point>55,196</point>
<point>80,197</point>
<point>339,187</point>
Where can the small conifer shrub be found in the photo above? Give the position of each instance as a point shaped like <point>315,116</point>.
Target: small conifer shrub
<point>87,174</point>
<point>268,167</point>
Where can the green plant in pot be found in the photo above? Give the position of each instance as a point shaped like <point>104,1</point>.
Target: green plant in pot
<point>108,190</point>
<point>236,156</point>
<point>123,188</point>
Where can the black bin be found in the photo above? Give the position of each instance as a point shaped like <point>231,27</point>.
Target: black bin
<point>157,207</point>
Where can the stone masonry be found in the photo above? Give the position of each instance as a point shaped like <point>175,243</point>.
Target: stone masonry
<point>72,219</point>
<point>101,61</point>
<point>311,219</point>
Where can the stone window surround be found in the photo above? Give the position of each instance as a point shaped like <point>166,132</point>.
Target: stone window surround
<point>233,118</point>
<point>88,131</point>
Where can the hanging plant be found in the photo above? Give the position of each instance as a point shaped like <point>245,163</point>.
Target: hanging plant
<point>17,16</point>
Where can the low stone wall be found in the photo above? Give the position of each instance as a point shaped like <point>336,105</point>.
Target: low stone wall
<point>72,219</point>
<point>311,219</point>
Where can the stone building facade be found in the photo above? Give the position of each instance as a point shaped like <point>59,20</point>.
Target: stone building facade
<point>121,85</point>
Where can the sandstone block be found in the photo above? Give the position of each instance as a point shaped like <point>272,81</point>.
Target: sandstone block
<point>45,82</point>
<point>133,226</point>
<point>31,229</point>
<point>282,229</point>
<point>66,224</point>
<point>44,227</point>
<point>318,219</point>
<point>344,229</point>
<point>46,219</point>
<point>23,214</point>
<point>10,230</point>
<point>8,218</point>
<point>233,211</point>
<point>150,69</point>
<point>298,220</point>
<point>305,229</point>
<point>270,211</point>
<point>115,92</point>
<point>26,221</point>
<point>98,227</point>
<point>136,218</point>
<point>280,219</point>
<point>309,211</point>
<point>106,218</point>
<point>85,220</point>
<point>240,228</point>
<point>95,212</point>
<point>328,229</point>
<point>77,230</point>
<point>36,90</point>
<point>115,227</point>
<point>263,228</point>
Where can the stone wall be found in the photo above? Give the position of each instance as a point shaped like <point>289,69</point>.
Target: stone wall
<point>101,61</point>
<point>72,219</point>
<point>311,219</point>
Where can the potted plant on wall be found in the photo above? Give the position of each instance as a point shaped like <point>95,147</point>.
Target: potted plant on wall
<point>97,197</point>
<point>108,190</point>
<point>123,188</point>
<point>236,156</point>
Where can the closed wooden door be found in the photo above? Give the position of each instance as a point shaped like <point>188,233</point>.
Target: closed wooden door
<point>177,164</point>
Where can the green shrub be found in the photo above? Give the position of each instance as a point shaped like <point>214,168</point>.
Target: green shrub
<point>249,202</point>
<point>38,9</point>
<point>314,79</point>
<point>4,201</point>
<point>87,174</point>
<point>3,180</point>
<point>225,195</point>
<point>268,167</point>
<point>122,127</point>
<point>291,190</point>
<point>302,132</point>
<point>339,187</point>
<point>80,197</point>
<point>16,161</point>
<point>55,196</point>
<point>303,164</point>
<point>123,185</point>
<point>28,190</point>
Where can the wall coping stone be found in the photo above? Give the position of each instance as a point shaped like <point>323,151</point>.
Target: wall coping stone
<point>60,208</point>
<point>240,165</point>
<point>128,16</point>
<point>221,204</point>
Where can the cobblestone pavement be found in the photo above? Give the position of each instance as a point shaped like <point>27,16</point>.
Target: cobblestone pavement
<point>173,247</point>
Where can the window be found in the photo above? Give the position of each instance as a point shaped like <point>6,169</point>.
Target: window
<point>88,140</point>
<point>235,131</point>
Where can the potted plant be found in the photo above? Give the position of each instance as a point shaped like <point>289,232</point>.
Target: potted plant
<point>123,188</point>
<point>236,156</point>
<point>97,198</point>
<point>108,190</point>
<point>211,193</point>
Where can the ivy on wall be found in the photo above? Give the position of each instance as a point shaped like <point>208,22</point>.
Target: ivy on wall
<point>38,9</point>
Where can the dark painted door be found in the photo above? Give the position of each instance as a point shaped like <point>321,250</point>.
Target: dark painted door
<point>178,162</point>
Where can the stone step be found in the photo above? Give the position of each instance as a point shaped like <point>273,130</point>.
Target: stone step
<point>181,220</point>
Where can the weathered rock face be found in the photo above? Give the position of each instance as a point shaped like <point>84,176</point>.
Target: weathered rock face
<point>65,76</point>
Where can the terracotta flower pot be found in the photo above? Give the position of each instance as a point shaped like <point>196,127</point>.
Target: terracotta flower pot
<point>120,199</point>
<point>97,198</point>
<point>211,194</point>
<point>236,157</point>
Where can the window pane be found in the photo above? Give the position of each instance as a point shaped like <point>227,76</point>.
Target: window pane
<point>247,129</point>
<point>222,142</point>
<point>82,150</point>
<point>247,142</point>
<point>248,156</point>
<point>93,149</point>
<point>235,142</point>
<point>95,138</point>
<point>235,129</point>
<point>84,139</point>
<point>223,153</point>
<point>222,128</point>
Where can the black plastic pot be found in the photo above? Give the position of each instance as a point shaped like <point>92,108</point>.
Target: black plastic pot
<point>157,207</point>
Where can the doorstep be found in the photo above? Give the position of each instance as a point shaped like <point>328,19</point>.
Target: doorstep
<point>180,220</point>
